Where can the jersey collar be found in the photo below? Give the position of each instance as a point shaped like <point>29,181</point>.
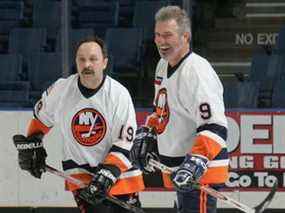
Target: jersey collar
<point>171,70</point>
<point>86,92</point>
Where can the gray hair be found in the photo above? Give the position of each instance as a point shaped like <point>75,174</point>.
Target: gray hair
<point>176,13</point>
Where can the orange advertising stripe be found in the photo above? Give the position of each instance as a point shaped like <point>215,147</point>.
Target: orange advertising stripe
<point>202,146</point>
<point>114,160</point>
<point>36,126</point>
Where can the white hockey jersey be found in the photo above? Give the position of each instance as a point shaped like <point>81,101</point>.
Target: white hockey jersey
<point>96,129</point>
<point>189,114</point>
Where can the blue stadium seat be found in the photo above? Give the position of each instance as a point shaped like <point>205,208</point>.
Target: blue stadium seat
<point>86,3</point>
<point>259,67</point>
<point>274,69</point>
<point>126,12</point>
<point>11,15</point>
<point>75,36</point>
<point>125,53</point>
<point>7,25</point>
<point>282,65</point>
<point>27,40</point>
<point>144,13</point>
<point>241,94</point>
<point>99,16</point>
<point>126,9</point>
<point>14,94</point>
<point>11,67</point>
<point>278,96</point>
<point>11,10</point>
<point>266,69</point>
<point>125,47</point>
<point>280,44</point>
<point>47,14</point>
<point>43,68</point>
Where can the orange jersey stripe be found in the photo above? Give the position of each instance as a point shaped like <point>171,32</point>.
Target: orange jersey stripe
<point>86,178</point>
<point>114,160</point>
<point>122,186</point>
<point>128,185</point>
<point>203,202</point>
<point>36,126</point>
<point>206,146</point>
<point>215,175</point>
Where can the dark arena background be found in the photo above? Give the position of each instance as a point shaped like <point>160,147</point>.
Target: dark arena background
<point>244,40</point>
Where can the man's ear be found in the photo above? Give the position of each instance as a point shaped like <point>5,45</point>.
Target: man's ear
<point>105,62</point>
<point>187,36</point>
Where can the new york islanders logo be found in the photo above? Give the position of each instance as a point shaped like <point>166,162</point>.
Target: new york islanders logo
<point>88,127</point>
<point>162,110</point>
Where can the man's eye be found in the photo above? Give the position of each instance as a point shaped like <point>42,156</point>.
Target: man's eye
<point>166,35</point>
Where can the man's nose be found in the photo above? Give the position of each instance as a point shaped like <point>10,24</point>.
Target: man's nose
<point>87,64</point>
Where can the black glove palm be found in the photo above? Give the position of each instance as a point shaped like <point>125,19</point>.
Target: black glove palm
<point>105,177</point>
<point>144,148</point>
<point>31,153</point>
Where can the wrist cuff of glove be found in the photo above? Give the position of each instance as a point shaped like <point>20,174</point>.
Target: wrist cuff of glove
<point>36,137</point>
<point>197,156</point>
<point>197,160</point>
<point>144,132</point>
<point>112,168</point>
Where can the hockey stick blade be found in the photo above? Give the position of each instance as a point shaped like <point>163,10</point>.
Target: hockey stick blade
<point>81,184</point>
<point>226,199</point>
<point>266,202</point>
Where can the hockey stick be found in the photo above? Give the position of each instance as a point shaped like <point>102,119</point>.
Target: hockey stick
<point>82,185</point>
<point>258,209</point>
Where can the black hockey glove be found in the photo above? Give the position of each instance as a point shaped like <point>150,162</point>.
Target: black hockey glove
<point>105,177</point>
<point>31,153</point>
<point>185,178</point>
<point>144,148</point>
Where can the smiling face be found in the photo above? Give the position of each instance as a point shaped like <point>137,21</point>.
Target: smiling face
<point>90,63</point>
<point>171,44</point>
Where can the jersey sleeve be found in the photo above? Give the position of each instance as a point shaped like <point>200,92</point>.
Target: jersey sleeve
<point>44,109</point>
<point>123,131</point>
<point>202,95</point>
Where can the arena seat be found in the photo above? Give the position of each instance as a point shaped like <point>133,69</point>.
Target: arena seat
<point>11,67</point>
<point>14,94</point>
<point>25,41</point>
<point>47,14</point>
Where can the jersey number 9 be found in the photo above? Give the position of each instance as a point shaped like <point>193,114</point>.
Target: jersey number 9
<point>129,133</point>
<point>205,111</point>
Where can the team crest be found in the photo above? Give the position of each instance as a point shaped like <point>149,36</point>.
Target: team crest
<point>88,127</point>
<point>162,110</point>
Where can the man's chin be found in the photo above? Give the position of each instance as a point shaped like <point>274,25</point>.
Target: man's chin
<point>165,56</point>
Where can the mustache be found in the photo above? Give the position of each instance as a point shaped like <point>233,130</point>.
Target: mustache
<point>87,71</point>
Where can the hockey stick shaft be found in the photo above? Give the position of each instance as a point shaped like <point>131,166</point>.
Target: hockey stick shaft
<point>82,185</point>
<point>208,190</point>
